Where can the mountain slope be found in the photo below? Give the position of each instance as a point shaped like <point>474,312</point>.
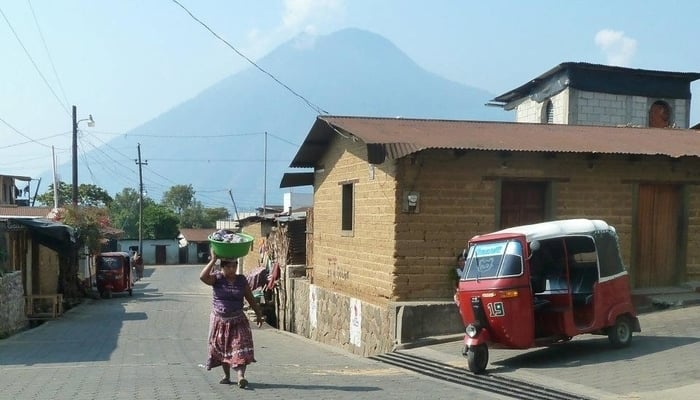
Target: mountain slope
<point>216,141</point>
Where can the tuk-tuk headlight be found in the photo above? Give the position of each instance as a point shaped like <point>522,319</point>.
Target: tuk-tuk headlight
<point>472,330</point>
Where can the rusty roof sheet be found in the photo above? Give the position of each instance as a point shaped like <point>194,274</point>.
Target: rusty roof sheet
<point>197,235</point>
<point>401,136</point>
<point>30,212</point>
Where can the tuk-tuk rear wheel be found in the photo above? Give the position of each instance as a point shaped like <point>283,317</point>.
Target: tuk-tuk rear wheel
<point>620,334</point>
<point>477,358</point>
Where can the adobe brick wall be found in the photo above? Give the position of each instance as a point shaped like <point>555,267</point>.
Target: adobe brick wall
<point>361,265</point>
<point>458,199</point>
<point>692,262</point>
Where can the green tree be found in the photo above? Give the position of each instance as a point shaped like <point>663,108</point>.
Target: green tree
<point>124,211</point>
<point>88,223</point>
<point>215,214</point>
<point>159,222</point>
<point>193,216</point>
<point>178,198</point>
<point>88,195</point>
<point>198,216</point>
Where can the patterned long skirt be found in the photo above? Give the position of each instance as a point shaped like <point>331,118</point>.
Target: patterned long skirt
<point>230,341</point>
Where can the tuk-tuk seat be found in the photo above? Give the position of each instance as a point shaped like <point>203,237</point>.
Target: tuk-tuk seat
<point>540,303</point>
<point>583,279</point>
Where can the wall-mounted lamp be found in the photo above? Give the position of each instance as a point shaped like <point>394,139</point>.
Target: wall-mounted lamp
<point>411,202</point>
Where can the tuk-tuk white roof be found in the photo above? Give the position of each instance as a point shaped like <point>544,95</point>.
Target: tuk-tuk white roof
<point>550,229</point>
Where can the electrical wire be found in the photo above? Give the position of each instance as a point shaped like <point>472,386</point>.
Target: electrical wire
<point>21,134</point>
<point>314,107</point>
<point>48,53</point>
<point>65,107</point>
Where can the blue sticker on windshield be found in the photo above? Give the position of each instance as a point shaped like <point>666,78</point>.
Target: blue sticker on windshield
<point>490,249</point>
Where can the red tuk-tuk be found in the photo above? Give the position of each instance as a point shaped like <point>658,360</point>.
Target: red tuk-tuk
<point>540,284</point>
<point>113,272</point>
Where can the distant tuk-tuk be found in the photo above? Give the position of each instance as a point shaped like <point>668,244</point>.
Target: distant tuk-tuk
<point>540,284</point>
<point>113,272</point>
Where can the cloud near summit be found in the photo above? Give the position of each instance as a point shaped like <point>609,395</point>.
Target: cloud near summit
<point>618,48</point>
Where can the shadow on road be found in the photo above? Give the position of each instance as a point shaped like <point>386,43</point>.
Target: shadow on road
<point>254,386</point>
<point>592,351</point>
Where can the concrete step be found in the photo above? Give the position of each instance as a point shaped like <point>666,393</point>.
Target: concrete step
<point>660,298</point>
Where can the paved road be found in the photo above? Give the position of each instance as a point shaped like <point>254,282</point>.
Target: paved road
<point>149,346</point>
<point>663,361</point>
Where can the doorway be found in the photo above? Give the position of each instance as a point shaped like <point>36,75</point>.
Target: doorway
<point>160,254</point>
<point>658,232</point>
<point>522,203</point>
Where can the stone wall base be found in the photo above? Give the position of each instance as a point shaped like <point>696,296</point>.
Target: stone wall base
<point>12,315</point>
<point>363,328</point>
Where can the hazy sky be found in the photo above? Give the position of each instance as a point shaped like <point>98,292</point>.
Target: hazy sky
<point>127,61</point>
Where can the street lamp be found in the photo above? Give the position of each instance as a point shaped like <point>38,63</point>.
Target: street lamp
<point>91,123</point>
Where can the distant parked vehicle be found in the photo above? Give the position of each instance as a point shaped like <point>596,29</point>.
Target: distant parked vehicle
<point>535,285</point>
<point>113,271</point>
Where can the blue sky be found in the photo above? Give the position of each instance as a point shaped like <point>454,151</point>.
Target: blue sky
<point>127,61</point>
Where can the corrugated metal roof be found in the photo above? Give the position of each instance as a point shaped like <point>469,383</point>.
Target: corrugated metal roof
<point>197,235</point>
<point>297,179</point>
<point>571,67</point>
<point>33,212</point>
<point>400,136</point>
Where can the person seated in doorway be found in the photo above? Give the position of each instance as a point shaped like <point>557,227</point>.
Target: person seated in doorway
<point>138,265</point>
<point>459,269</point>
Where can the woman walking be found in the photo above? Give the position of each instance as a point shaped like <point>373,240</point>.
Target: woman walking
<point>230,338</point>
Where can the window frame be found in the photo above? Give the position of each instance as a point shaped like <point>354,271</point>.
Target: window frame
<point>347,207</point>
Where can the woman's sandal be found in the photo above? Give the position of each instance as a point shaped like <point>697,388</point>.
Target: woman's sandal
<point>242,383</point>
<point>225,381</point>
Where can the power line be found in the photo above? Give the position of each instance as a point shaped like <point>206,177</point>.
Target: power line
<point>48,53</point>
<point>212,160</point>
<point>314,107</point>
<point>20,133</point>
<point>65,108</point>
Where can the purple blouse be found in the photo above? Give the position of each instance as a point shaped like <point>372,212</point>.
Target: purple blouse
<point>228,296</point>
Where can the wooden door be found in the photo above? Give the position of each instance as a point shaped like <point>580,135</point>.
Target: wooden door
<point>658,232</point>
<point>522,203</point>
<point>160,254</point>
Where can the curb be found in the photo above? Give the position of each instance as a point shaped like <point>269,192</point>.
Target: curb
<point>429,341</point>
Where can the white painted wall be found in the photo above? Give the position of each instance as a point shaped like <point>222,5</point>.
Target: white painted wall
<point>293,201</point>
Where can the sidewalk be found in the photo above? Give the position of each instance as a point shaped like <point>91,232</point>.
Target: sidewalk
<point>663,360</point>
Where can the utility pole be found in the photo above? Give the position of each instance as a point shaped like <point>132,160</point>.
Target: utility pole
<point>140,200</point>
<point>265,179</point>
<point>75,158</point>
<point>90,123</point>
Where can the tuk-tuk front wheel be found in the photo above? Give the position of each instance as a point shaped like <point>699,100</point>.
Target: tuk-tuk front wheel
<point>620,334</point>
<point>477,358</point>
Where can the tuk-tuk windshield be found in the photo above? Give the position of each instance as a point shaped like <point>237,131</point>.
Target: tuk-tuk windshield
<point>109,263</point>
<point>494,260</point>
